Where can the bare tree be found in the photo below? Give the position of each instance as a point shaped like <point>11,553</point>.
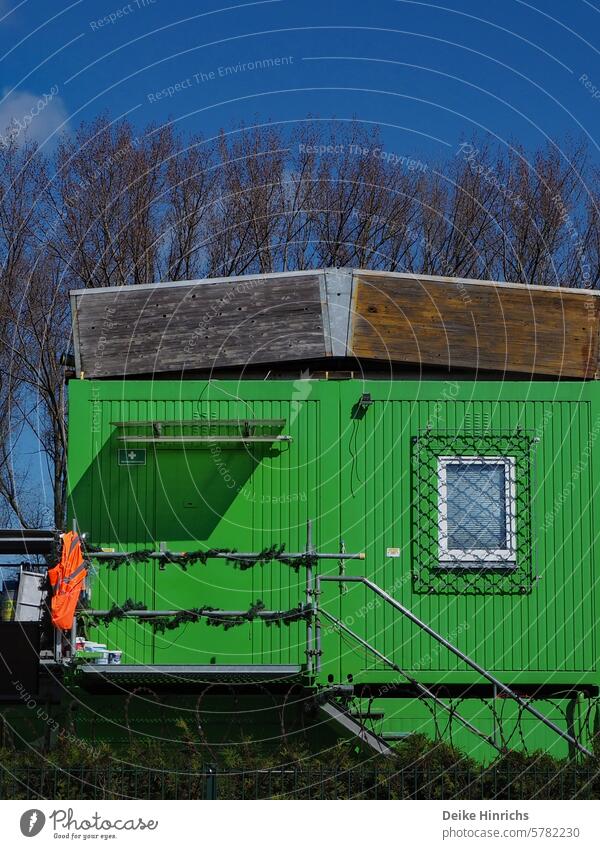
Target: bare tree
<point>41,334</point>
<point>190,194</point>
<point>537,246</point>
<point>107,200</point>
<point>246,220</point>
<point>23,180</point>
<point>116,207</point>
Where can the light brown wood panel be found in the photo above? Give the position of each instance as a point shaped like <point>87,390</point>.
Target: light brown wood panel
<point>491,326</point>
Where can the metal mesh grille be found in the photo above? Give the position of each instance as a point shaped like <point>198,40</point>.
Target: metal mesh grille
<point>472,512</point>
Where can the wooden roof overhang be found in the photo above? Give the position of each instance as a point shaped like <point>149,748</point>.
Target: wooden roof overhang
<point>314,315</point>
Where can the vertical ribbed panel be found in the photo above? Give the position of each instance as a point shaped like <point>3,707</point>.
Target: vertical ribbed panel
<point>549,629</point>
<point>246,498</point>
<point>353,476</point>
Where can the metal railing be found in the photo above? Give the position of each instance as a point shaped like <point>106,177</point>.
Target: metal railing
<point>360,781</point>
<point>503,688</point>
<point>310,555</point>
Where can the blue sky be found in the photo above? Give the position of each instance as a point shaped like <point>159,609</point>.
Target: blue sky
<point>429,73</point>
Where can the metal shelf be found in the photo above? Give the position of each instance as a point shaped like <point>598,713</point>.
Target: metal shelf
<point>217,438</point>
<point>203,423</point>
<point>246,427</point>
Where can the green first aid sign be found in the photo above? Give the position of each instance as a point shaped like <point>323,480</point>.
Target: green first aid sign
<point>132,456</point>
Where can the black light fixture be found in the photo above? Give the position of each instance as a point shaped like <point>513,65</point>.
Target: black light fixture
<point>362,405</point>
<point>67,359</point>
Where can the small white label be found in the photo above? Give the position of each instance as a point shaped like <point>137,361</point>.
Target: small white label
<point>393,552</point>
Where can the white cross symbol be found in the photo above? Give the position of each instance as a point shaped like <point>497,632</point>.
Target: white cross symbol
<point>131,455</point>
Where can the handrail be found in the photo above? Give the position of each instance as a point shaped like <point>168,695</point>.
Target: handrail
<point>421,687</point>
<point>360,579</point>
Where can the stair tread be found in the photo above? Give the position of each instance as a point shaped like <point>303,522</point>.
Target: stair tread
<point>354,727</point>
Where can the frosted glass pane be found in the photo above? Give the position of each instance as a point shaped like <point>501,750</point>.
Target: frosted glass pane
<point>476,508</point>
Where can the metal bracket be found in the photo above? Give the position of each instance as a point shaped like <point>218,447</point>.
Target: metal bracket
<point>336,301</point>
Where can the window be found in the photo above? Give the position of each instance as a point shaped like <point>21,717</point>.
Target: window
<point>476,512</point>
<point>472,506</point>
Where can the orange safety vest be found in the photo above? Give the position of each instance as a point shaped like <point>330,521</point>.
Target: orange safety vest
<point>66,579</point>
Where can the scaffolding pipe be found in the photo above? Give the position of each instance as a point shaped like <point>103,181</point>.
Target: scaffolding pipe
<point>214,614</point>
<point>309,598</point>
<point>360,579</point>
<point>58,654</point>
<point>317,633</point>
<point>234,555</point>
<point>73,636</point>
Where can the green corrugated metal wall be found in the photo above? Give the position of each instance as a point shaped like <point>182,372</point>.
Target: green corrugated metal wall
<point>353,477</point>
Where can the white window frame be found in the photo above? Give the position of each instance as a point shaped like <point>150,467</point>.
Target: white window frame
<point>456,556</point>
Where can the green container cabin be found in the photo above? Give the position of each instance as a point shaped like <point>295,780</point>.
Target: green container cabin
<point>446,430</point>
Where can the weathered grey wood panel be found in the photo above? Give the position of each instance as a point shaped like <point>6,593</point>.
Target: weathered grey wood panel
<point>168,328</point>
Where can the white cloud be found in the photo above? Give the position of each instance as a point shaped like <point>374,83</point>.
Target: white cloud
<point>32,117</point>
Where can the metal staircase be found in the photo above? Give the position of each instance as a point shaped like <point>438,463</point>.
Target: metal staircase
<point>354,727</point>
<point>425,691</point>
